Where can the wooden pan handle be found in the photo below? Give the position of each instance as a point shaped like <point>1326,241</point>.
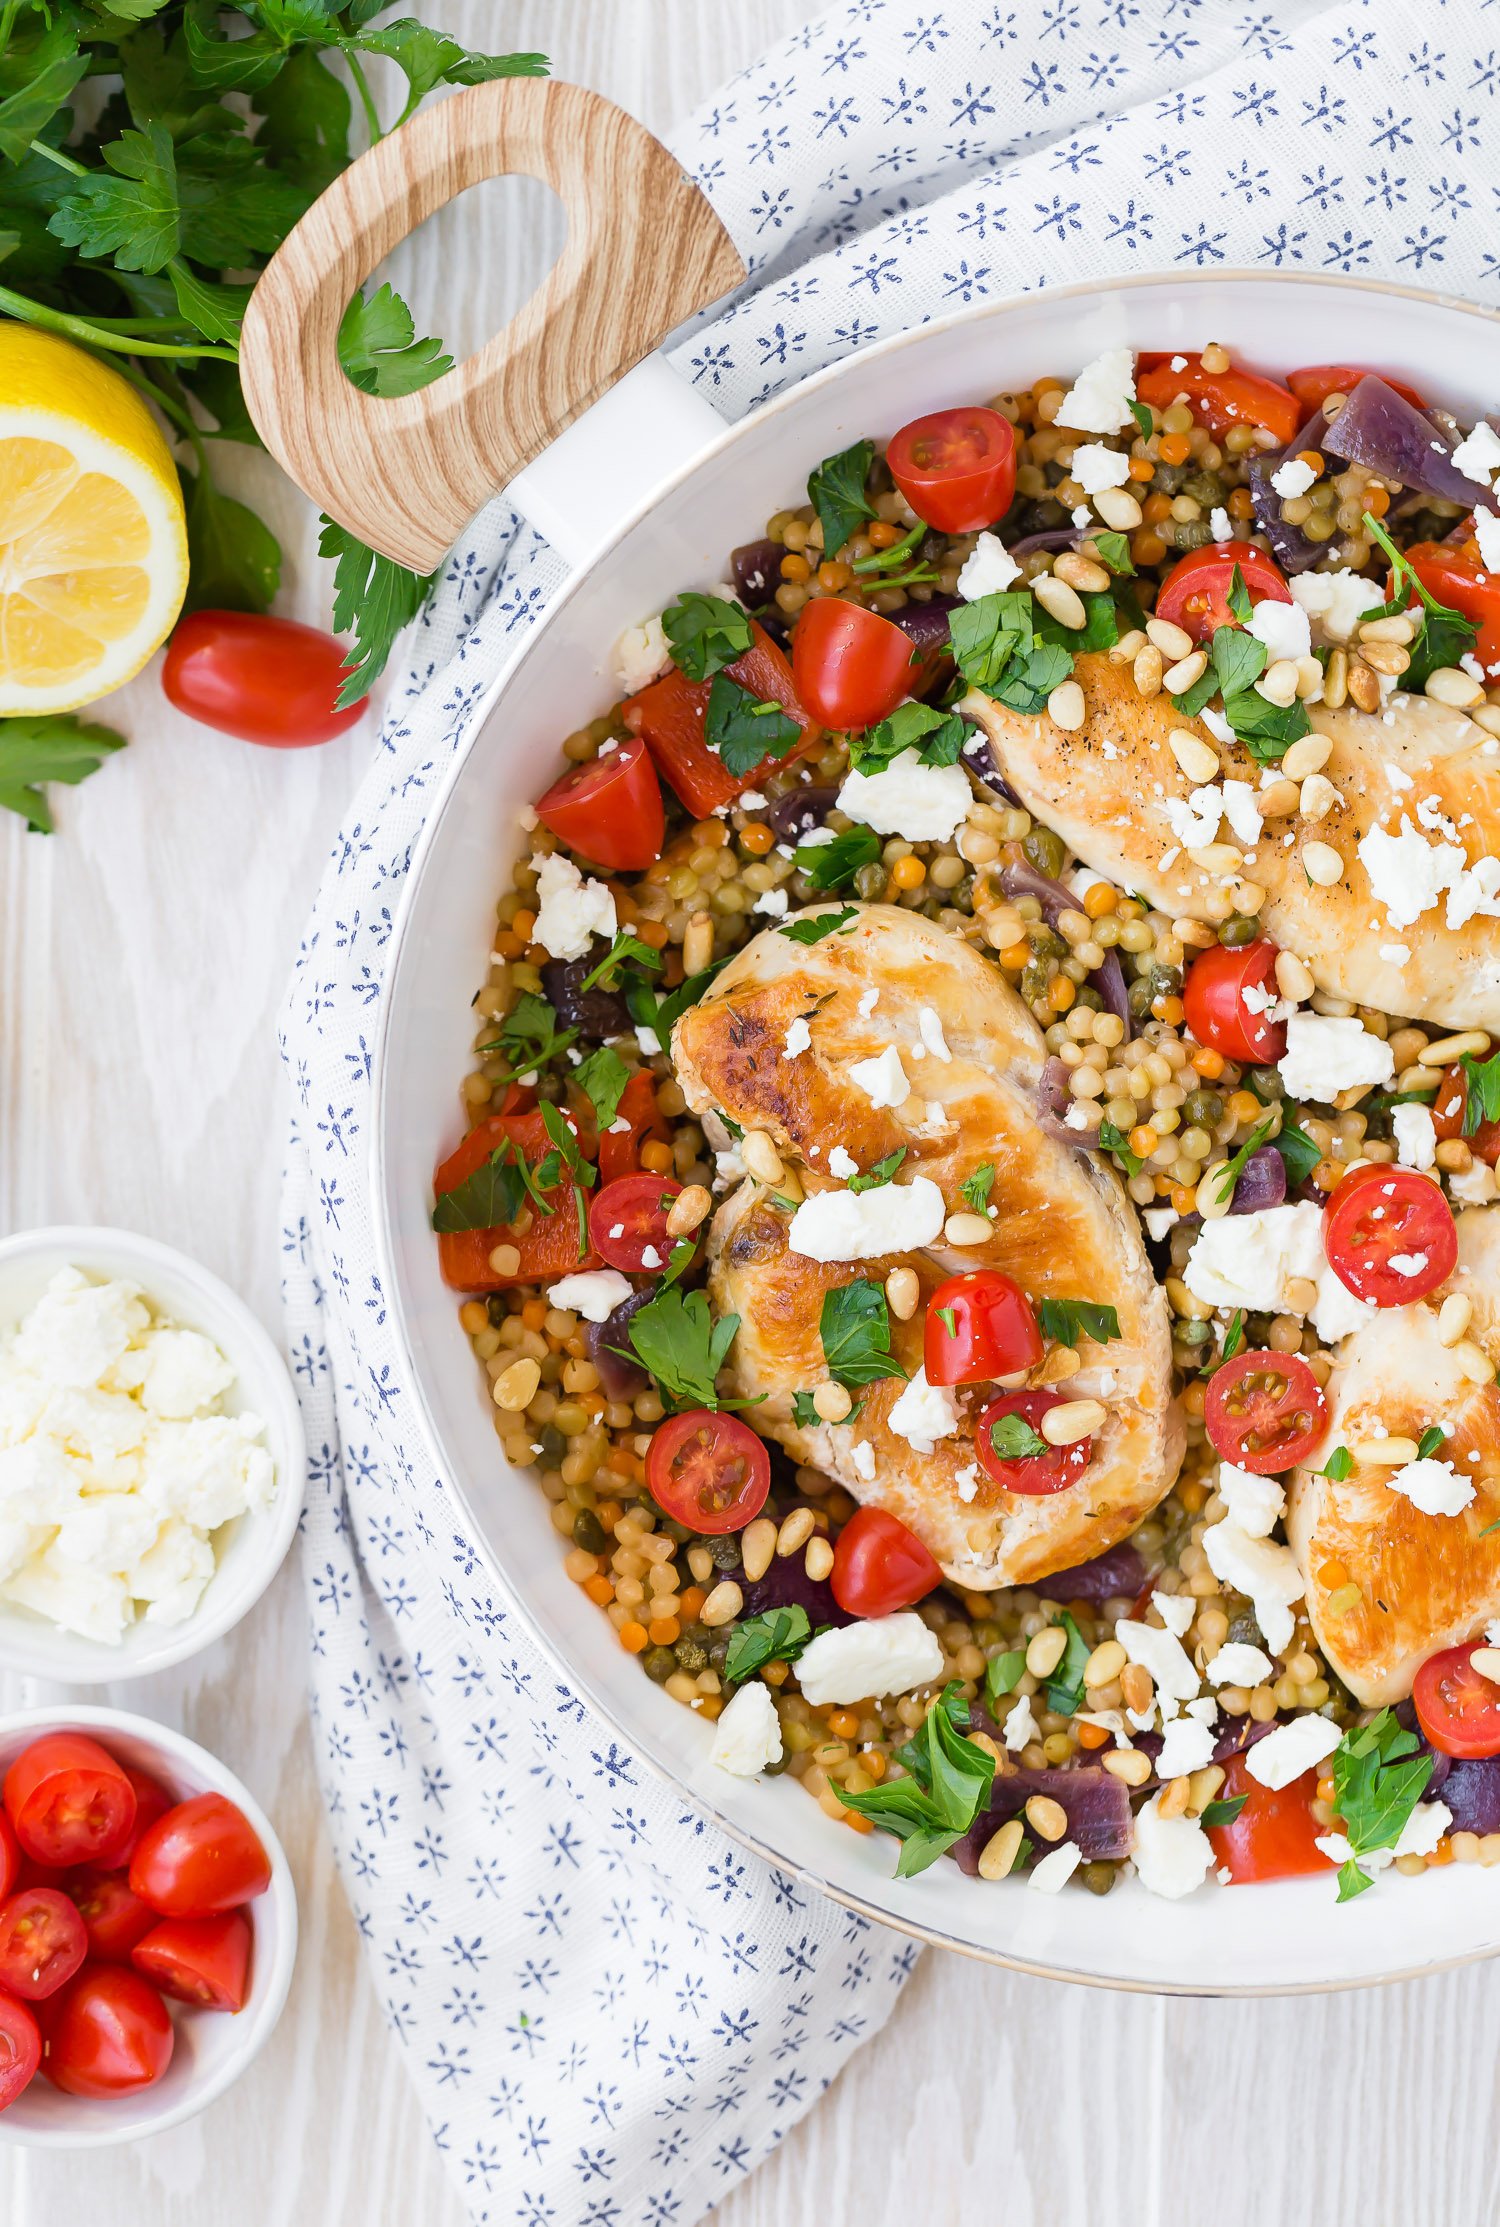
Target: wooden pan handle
<point>644,251</point>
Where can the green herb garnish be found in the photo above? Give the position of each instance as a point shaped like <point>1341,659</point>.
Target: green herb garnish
<point>1481,1083</point>
<point>836,491</point>
<point>1067,1320</point>
<point>883,1172</point>
<point>1338,1465</point>
<point>1065,1686</point>
<point>936,736</point>
<point>37,747</point>
<point>1223,1813</point>
<point>947,1784</point>
<point>1430,1440</point>
<point>602,1078</point>
<point>832,865</point>
<point>626,950</point>
<point>1234,1168</point>
<point>838,923</point>
<point>855,1327</point>
<point>1298,1151</point>
<point>744,730</point>
<point>1114,1140</point>
<point>1378,1779</point>
<point>1003,1673</point>
<point>975,1189</point>
<point>684,1349</point>
<point>778,1635</point>
<point>1113,552</point>
<point>1014,1439</point>
<point>705,633</point>
<point>1446,637</point>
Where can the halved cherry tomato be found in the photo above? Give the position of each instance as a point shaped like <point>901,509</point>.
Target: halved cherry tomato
<point>669,715</point>
<point>610,809</point>
<point>1315,382</point>
<point>205,1961</point>
<point>1052,1470</point>
<point>20,2048</point>
<point>1220,399</point>
<point>1462,582</point>
<point>707,1470</point>
<point>151,1801</point>
<point>108,2032</point>
<point>1215,1008</point>
<point>620,1149</point>
<point>1195,593</point>
<point>1389,1234</point>
<point>1449,1110</point>
<point>271,681</point>
<point>879,1565</point>
<point>1275,1835</point>
<point>204,1856</point>
<point>42,1943</point>
<point>1457,1708</point>
<point>1264,1411</point>
<point>10,1856</point>
<point>114,1917</point>
<point>956,468</point>
<point>69,1801</point>
<point>980,1325</point>
<point>550,1247</point>
<point>628,1221</point>
<point>852,667</point>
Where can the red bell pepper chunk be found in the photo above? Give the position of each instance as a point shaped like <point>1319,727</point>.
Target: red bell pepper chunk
<point>620,1149</point>
<point>669,717</point>
<point>550,1247</point>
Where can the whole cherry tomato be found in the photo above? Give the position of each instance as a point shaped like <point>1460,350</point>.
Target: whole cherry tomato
<point>20,2048</point>
<point>1220,399</point>
<point>1195,593</point>
<point>42,1943</point>
<point>851,666</point>
<point>1389,1234</point>
<point>11,1858</point>
<point>113,1917</point>
<point>979,1325</point>
<point>270,681</point>
<point>204,1856</point>
<point>108,2033</point>
<point>1264,1411</point>
<point>610,810</point>
<point>1274,1835</point>
<point>70,1801</point>
<point>956,468</point>
<point>1457,1708</point>
<point>203,1961</point>
<point>1012,1450</point>
<point>708,1470</point>
<point>628,1221</point>
<point>1221,1015</point>
<point>879,1565</point>
<point>151,1801</point>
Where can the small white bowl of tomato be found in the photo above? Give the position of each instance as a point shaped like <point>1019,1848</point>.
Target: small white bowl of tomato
<point>148,1928</point>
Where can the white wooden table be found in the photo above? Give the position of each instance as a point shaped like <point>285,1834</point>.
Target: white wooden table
<point>142,954</point>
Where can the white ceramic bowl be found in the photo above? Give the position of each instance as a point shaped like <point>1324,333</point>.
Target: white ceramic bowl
<point>1266,1939</point>
<point>250,1549</point>
<point>212,2048</point>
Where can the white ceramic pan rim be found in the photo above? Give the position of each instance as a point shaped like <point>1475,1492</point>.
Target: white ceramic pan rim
<point>1284,1938</point>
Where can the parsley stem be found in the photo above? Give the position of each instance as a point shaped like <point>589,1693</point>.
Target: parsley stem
<point>95,336</point>
<point>366,97</point>
<point>55,154</point>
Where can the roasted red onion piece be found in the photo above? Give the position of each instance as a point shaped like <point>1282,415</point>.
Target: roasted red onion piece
<point>1097,1807</point>
<point>1381,430</point>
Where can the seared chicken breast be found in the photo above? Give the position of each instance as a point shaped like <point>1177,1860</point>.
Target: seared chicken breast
<point>971,1055</point>
<point>1425,1581</point>
<point>1112,789</point>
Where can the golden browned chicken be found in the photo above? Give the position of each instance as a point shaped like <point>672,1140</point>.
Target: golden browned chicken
<point>1423,775</point>
<point>1425,1581</point>
<point>897,1009</point>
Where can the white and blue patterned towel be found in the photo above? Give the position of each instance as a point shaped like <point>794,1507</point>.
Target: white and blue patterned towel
<point>611,2012</point>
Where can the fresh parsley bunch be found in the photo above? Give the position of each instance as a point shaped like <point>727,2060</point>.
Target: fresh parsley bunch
<point>154,154</point>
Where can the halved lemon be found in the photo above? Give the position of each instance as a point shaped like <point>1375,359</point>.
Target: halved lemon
<point>93,543</point>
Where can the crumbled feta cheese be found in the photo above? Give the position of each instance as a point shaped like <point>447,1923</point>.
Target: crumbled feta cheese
<point>1239,1664</point>
<point>864,1225</point>
<point>1020,1727</point>
<point>1248,1260</point>
<point>571,911</point>
<point>1216,723</point>
<point>1335,601</point>
<point>593,1293</point>
<point>648,1040</point>
<point>1407,1264</point>
<point>798,1037</point>
<point>1325,1055</point>
<point>1179,363</point>
<point>988,569</point>
<point>78,1330</point>
<point>1176,1611</point>
<point>1163,1655</point>
<point>171,1574</point>
<point>1158,1219</point>
<point>1478,454</point>
<point>1267,1574</point>
<point>926,804</point>
<point>1473,1186</point>
<point>747,1735</point>
<point>1433,1486</point>
<point>868,1000</point>
<point>1194,819</point>
<point>1173,1855</point>
<point>1242,812</point>
<point>1395,954</point>
<point>1425,1827</point>
<point>930,1028</point>
<point>842,1164</point>
<point>1051,1873</point>
<point>924,1412</point>
<point>772,902</point>
<point>640,654</point>
<point>1221,525</point>
<point>1407,873</point>
<point>1284,1755</point>
<point>1293,477</point>
<point>967,1481</point>
<point>1100,397</point>
<point>1487,534</point>
<point>1282,627</point>
<point>865,1661</point>
<point>1186,1746</point>
<point>862,1454</point>
<point>1255,1503</point>
<point>1096,467</point>
<point>179,1373</point>
<point>882,1079</point>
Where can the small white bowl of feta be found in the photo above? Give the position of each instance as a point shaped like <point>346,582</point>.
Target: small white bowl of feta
<point>152,1459</point>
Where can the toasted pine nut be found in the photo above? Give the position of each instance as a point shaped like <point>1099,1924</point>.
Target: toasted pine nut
<point>1321,863</point>
<point>1387,657</point>
<point>1453,1317</point>
<point>1081,572</point>
<point>1075,1419</point>
<point>1203,1786</point>
<point>832,1402</point>
<point>1488,717</point>
<point>1124,650</point>
<point>1309,678</point>
<point>967,1229</point>
<point>1118,508</point>
<point>515,1387</point>
<point>1178,678</point>
<point>761,1157</point>
<point>1173,1799</point>
<point>757,1546</point>
<point>1215,1193</point>
<point>1397,628</point>
<point>1474,1363</point>
<point>1061,1363</point>
<point>1364,685</point>
<point>1058,600</point>
<point>1147,671</point>
<point>1470,1043</point>
<point>1384,1453</point>
<point>795,1531</point>
<point>1301,1295</point>
<point>505,1259</point>
<point>1335,684</point>
<point>1137,1686</point>
<point>1129,1765</point>
<point>1248,896</point>
<point>902,1291</point>
<point>818,1560</point>
<point>723,1603</point>
<point>1046,1650</point>
<point>1048,1819</point>
<point>1105,1663</point>
<point>998,1856</point>
<point>688,1209</point>
<point>1309,755</point>
<point>1066,707</point>
<point>1448,685</point>
<point>1293,976</point>
<point>1278,683</point>
<point>1172,641</point>
<point>1317,797</point>
<point>1198,759</point>
<point>698,943</point>
<point>1278,800</point>
<point>1217,858</point>
<point>1486,1660</point>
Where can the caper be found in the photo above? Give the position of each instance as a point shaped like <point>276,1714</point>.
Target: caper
<point>1169,478</point>
<point>1139,996</point>
<point>1240,927</point>
<point>588,1532</point>
<point>1035,976</point>
<point>774,1770</point>
<point>1044,851</point>
<point>552,1446</point>
<point>1206,488</point>
<point>1098,1878</point>
<point>1046,942</point>
<point>1194,1333</point>
<point>659,1663</point>
<point>1089,996</point>
<point>1203,1109</point>
<point>1245,1628</point>
<point>691,1650</point>
<point>678,1533</point>
<point>496,1308</point>
<point>725,1549</point>
<point>869,881</point>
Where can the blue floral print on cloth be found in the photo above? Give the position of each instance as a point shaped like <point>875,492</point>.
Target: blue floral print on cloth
<point>613,2013</point>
